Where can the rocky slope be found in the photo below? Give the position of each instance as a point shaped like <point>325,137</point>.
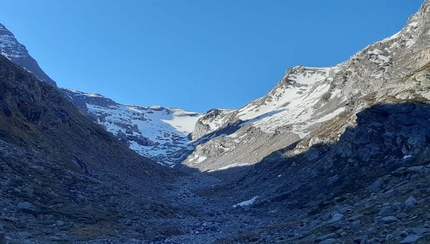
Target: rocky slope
<point>306,98</point>
<point>63,177</point>
<point>161,134</point>
<point>17,53</point>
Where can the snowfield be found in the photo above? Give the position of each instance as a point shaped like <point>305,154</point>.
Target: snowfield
<point>154,132</point>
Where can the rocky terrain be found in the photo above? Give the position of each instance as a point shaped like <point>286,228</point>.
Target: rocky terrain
<point>330,155</point>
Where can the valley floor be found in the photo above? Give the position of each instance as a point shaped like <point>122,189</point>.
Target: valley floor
<point>392,212</point>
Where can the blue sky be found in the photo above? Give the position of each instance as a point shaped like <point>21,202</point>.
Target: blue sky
<point>194,54</point>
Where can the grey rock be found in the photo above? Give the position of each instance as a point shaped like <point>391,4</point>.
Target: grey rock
<point>150,236</point>
<point>355,217</point>
<point>389,219</point>
<point>386,211</point>
<point>360,239</point>
<point>411,202</point>
<point>23,235</point>
<point>336,217</point>
<point>389,237</point>
<point>325,237</point>
<point>401,215</point>
<point>356,225</point>
<point>410,239</point>
<point>415,169</point>
<point>2,238</point>
<point>59,223</point>
<point>398,205</point>
<point>329,241</point>
<point>26,207</point>
<point>376,186</point>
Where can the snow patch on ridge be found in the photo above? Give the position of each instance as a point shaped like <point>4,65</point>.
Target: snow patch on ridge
<point>154,132</point>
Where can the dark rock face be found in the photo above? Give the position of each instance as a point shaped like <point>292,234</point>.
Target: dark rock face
<point>17,53</point>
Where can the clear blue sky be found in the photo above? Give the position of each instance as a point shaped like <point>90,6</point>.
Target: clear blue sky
<point>194,54</point>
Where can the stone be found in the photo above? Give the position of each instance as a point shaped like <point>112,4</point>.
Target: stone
<point>355,217</point>
<point>389,219</point>
<point>398,205</point>
<point>401,215</point>
<point>59,223</point>
<point>26,207</point>
<point>356,225</point>
<point>411,202</point>
<point>23,234</point>
<point>389,237</point>
<point>386,211</point>
<point>329,241</point>
<point>359,239</point>
<point>325,237</point>
<point>336,217</point>
<point>410,239</point>
<point>415,169</point>
<point>423,185</point>
<point>376,186</point>
<point>150,236</point>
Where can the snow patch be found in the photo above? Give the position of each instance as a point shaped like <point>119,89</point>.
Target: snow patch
<point>246,203</point>
<point>310,78</point>
<point>406,156</point>
<point>154,132</point>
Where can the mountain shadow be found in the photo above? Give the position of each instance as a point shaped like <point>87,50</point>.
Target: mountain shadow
<point>384,159</point>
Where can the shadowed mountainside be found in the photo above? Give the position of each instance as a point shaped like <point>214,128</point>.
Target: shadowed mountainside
<point>340,188</point>
<point>58,166</point>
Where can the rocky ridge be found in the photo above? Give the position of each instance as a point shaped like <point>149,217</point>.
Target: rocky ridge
<point>307,97</point>
<point>161,134</point>
<point>17,53</point>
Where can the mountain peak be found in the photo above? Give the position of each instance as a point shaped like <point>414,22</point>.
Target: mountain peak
<point>17,53</point>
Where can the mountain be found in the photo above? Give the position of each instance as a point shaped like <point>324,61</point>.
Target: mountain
<point>335,155</point>
<point>330,155</point>
<point>154,132</point>
<point>17,53</point>
<point>64,178</point>
<point>307,98</point>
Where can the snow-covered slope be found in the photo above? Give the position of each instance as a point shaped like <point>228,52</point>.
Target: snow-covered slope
<point>291,102</point>
<point>307,98</point>
<point>155,132</point>
<point>17,53</point>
